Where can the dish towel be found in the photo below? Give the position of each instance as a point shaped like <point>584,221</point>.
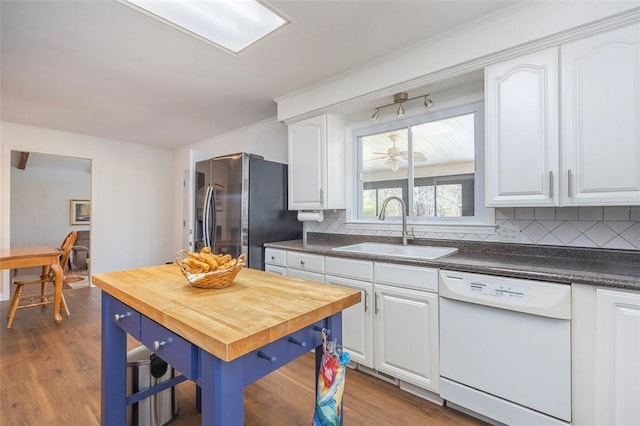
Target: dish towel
<point>331,378</point>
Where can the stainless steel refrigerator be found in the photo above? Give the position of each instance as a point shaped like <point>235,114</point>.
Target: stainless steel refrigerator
<point>241,203</point>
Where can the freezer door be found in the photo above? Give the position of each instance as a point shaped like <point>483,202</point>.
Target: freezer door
<point>227,204</point>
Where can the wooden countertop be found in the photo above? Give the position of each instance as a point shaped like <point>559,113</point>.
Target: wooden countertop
<point>257,309</point>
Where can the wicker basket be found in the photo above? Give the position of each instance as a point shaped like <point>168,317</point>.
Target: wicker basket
<point>214,279</point>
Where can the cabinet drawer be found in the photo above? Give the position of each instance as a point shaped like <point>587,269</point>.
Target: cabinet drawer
<point>280,270</point>
<point>406,276</point>
<point>125,317</point>
<point>173,349</point>
<point>275,257</point>
<point>349,268</point>
<point>276,354</point>
<point>305,275</point>
<point>305,262</point>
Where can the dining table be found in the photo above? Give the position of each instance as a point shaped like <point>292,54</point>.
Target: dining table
<point>44,256</point>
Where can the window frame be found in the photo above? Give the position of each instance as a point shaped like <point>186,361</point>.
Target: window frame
<point>483,222</point>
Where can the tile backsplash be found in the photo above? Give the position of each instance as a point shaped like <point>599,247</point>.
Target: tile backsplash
<point>593,227</point>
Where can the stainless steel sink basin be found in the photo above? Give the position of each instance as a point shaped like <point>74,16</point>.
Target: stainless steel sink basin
<point>397,250</point>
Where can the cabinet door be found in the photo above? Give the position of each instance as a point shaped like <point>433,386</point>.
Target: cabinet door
<point>601,113</point>
<point>307,156</point>
<point>617,358</point>
<point>357,321</point>
<point>406,329</point>
<point>521,106</point>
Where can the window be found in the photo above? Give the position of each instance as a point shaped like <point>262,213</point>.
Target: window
<point>431,161</point>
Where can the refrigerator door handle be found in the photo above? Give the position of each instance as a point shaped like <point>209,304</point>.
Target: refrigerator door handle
<point>205,222</point>
<point>212,206</point>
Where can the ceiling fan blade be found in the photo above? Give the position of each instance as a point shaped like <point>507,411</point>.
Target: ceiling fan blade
<point>377,158</point>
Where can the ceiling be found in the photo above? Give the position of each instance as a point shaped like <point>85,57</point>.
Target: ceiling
<point>102,69</point>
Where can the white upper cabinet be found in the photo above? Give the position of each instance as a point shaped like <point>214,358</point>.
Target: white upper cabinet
<point>601,112</point>
<point>522,151</point>
<point>316,163</point>
<point>596,159</point>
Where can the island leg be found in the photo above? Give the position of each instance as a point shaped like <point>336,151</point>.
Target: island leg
<point>114,369</point>
<point>221,391</point>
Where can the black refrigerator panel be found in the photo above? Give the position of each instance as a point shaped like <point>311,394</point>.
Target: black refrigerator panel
<point>269,218</point>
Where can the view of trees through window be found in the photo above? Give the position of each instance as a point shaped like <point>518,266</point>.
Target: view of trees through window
<point>429,163</point>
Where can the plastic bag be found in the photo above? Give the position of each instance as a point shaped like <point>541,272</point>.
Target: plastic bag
<point>331,378</point>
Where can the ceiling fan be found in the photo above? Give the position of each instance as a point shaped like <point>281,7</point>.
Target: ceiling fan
<point>394,156</point>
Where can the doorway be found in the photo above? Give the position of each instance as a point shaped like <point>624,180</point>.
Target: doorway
<point>51,196</point>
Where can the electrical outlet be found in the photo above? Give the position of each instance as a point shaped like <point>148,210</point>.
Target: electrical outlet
<point>509,232</point>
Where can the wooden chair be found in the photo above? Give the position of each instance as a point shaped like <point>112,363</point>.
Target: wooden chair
<point>47,277</point>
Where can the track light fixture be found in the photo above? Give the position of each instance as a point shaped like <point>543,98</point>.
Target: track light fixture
<point>399,99</point>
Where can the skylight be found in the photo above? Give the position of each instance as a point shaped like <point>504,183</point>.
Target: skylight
<point>233,25</point>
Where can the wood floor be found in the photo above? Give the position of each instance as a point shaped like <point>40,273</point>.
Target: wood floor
<point>50,375</point>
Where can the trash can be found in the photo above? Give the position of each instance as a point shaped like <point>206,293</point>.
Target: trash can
<point>145,369</point>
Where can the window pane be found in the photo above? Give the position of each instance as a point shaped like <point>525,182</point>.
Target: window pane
<point>393,208</point>
<point>449,200</point>
<point>369,202</point>
<point>424,201</point>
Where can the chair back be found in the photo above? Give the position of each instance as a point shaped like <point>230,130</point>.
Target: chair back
<point>66,246</point>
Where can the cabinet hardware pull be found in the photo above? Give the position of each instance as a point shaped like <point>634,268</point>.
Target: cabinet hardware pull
<point>318,328</point>
<point>118,317</point>
<point>302,262</point>
<point>321,196</point>
<point>264,355</point>
<point>551,184</point>
<point>158,344</point>
<point>366,301</point>
<point>376,304</point>
<point>295,341</point>
<point>273,258</point>
<point>569,186</point>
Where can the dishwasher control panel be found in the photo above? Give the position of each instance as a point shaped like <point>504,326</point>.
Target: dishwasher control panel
<point>542,298</point>
<point>498,290</point>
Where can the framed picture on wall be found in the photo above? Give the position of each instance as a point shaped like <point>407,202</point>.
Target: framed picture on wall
<point>80,212</point>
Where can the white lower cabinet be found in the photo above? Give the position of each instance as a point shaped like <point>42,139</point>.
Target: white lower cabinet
<point>306,266</point>
<point>394,329</point>
<point>357,324</point>
<point>406,327</point>
<point>275,261</point>
<point>617,358</point>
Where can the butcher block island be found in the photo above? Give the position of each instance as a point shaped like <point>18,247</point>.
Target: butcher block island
<point>222,339</point>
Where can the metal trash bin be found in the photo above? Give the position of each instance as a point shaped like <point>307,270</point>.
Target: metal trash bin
<point>145,369</point>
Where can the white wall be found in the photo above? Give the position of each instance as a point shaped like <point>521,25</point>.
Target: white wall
<point>40,204</point>
<point>267,138</point>
<point>132,195</point>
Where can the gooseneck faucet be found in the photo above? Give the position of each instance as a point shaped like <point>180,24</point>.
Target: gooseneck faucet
<point>405,234</point>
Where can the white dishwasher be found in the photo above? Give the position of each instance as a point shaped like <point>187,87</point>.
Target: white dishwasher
<point>505,348</point>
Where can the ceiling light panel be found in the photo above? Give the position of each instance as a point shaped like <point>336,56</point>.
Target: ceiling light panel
<point>231,24</point>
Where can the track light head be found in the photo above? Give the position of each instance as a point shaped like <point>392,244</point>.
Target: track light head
<point>428,103</point>
<point>400,112</point>
<point>376,115</point>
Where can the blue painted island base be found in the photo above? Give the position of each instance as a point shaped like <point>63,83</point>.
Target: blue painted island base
<point>220,384</point>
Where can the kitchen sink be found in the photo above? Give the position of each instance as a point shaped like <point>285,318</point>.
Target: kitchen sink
<point>397,250</point>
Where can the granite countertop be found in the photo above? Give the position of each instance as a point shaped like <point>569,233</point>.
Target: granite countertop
<point>601,267</point>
